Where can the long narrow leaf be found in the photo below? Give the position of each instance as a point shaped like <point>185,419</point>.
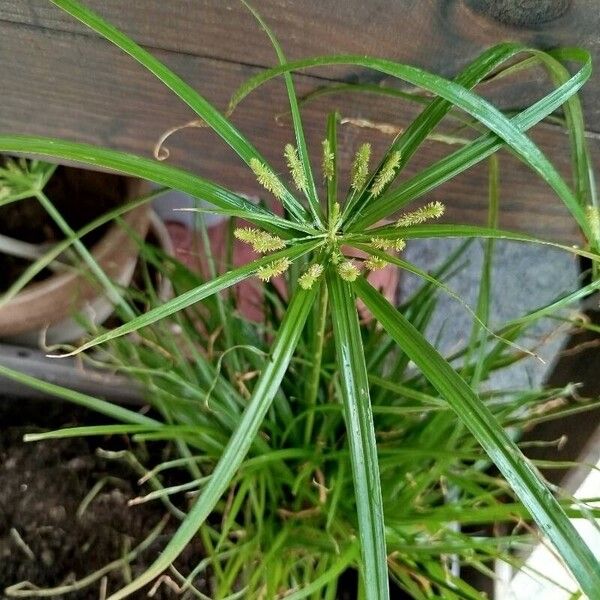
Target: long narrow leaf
<point>508,130</point>
<point>455,230</point>
<point>518,471</point>
<point>462,159</point>
<point>195,295</point>
<point>152,170</point>
<point>241,440</point>
<point>408,141</point>
<point>361,437</point>
<point>109,409</point>
<point>209,114</point>
<point>311,190</point>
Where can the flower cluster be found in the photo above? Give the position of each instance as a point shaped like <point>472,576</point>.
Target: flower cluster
<point>310,276</point>
<point>433,210</point>
<point>267,178</point>
<point>330,233</point>
<point>295,166</point>
<point>328,161</point>
<point>386,174</point>
<point>261,241</point>
<point>360,167</point>
<point>273,269</point>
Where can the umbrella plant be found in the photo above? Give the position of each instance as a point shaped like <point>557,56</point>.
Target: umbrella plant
<point>309,239</point>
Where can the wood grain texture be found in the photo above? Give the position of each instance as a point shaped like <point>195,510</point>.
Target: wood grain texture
<point>61,80</point>
<point>441,36</point>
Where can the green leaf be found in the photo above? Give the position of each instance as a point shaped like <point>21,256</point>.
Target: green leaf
<point>332,183</point>
<point>454,230</point>
<point>152,170</point>
<point>459,161</point>
<point>361,437</point>
<point>241,440</point>
<point>101,406</point>
<point>478,330</point>
<point>408,141</point>
<point>209,114</point>
<point>311,191</point>
<point>195,295</point>
<point>92,430</point>
<point>510,131</point>
<point>518,471</point>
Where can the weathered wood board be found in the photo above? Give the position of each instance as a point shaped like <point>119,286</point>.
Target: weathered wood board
<point>60,79</point>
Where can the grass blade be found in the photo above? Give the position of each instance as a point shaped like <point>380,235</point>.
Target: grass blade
<point>478,330</point>
<point>120,414</point>
<point>311,190</point>
<point>506,129</point>
<point>455,230</point>
<point>518,471</point>
<point>137,166</point>
<point>332,182</point>
<point>459,161</point>
<point>209,114</point>
<point>361,437</point>
<point>195,295</point>
<point>241,440</point>
<point>409,140</point>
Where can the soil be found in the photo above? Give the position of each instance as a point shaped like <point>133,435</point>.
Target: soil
<point>79,195</point>
<point>44,483</point>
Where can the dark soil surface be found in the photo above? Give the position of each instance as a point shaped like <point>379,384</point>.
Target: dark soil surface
<point>79,195</point>
<point>42,540</point>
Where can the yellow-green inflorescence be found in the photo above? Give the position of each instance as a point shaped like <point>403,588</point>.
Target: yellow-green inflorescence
<point>261,241</point>
<point>380,243</point>
<point>295,166</point>
<point>330,234</point>
<point>328,161</point>
<point>386,174</point>
<point>360,166</point>
<point>348,270</point>
<point>267,178</point>
<point>310,276</point>
<point>375,263</point>
<point>273,269</point>
<point>592,214</point>
<point>433,210</point>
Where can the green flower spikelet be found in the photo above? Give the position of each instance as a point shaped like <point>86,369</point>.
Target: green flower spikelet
<point>267,178</point>
<point>384,244</point>
<point>328,161</point>
<point>295,166</point>
<point>360,166</point>
<point>387,173</point>
<point>274,269</point>
<point>261,241</point>
<point>433,210</point>
<point>348,271</point>
<point>309,278</point>
<point>374,263</point>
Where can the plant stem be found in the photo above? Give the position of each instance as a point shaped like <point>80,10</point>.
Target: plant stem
<point>85,254</point>
<point>316,353</point>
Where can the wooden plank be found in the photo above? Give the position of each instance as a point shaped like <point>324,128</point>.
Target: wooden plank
<point>101,96</point>
<point>440,36</point>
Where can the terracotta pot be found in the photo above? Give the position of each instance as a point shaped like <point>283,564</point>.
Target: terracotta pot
<point>46,308</point>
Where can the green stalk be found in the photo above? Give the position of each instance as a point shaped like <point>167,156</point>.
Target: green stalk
<point>361,438</point>
<point>239,443</point>
<point>316,357</point>
<point>85,254</point>
<point>517,470</point>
